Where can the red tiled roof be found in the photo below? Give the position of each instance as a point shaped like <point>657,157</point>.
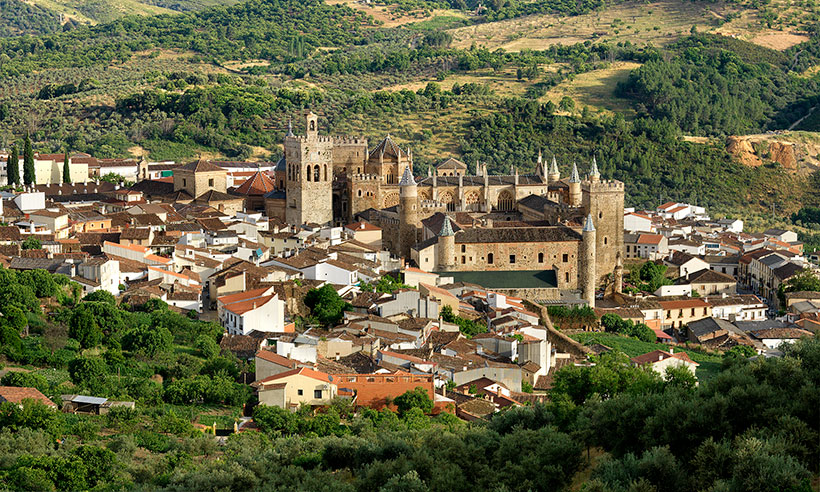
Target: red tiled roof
<point>650,239</point>
<point>243,307</point>
<point>14,394</point>
<point>276,358</point>
<point>362,226</point>
<point>240,296</point>
<point>303,371</point>
<point>659,355</point>
<point>258,184</point>
<point>683,304</point>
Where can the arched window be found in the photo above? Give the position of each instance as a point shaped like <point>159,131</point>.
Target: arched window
<point>490,259</point>
<point>360,192</point>
<point>308,172</point>
<point>505,201</point>
<point>325,172</point>
<point>606,240</point>
<point>600,215</point>
<point>312,126</point>
<point>540,257</point>
<point>317,173</point>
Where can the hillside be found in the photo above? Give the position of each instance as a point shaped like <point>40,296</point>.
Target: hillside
<point>100,11</point>
<point>224,82</point>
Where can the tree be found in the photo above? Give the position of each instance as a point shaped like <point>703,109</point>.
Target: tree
<point>566,104</point>
<point>83,327</point>
<point>148,340</point>
<point>14,166</point>
<point>15,317</point>
<point>101,296</point>
<point>207,346</point>
<point>326,305</point>
<point>680,377</point>
<point>32,243</point>
<point>66,169</point>
<point>275,419</point>
<point>87,372</point>
<point>415,398</point>
<point>806,280</point>
<point>28,162</point>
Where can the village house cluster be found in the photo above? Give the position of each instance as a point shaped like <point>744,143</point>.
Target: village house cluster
<point>242,243</point>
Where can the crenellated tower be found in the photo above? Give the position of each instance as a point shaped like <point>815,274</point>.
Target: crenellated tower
<point>309,169</point>
<point>408,213</point>
<point>587,268</point>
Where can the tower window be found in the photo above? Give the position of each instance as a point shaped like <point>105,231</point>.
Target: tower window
<point>512,259</point>
<point>211,182</point>
<point>490,259</point>
<point>463,260</point>
<point>463,248</point>
<point>308,173</point>
<point>565,258</point>
<point>600,215</point>
<point>540,257</point>
<point>184,182</point>
<point>316,173</point>
<point>566,276</point>
<point>606,240</point>
<point>360,192</point>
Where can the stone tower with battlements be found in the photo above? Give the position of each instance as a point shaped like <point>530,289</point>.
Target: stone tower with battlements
<point>408,212</point>
<point>603,200</point>
<point>309,169</point>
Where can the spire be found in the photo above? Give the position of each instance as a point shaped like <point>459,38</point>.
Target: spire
<point>554,168</point>
<point>407,178</point>
<point>594,170</point>
<point>574,176</point>
<point>588,226</point>
<point>540,158</point>
<point>446,228</point>
<point>290,129</point>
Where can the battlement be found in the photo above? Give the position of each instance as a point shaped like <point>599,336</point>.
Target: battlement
<point>605,186</point>
<point>304,138</point>
<point>345,140</point>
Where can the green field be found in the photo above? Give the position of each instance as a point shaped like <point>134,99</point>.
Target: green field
<point>709,364</point>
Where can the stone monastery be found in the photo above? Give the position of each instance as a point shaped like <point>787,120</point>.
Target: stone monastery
<point>569,232</point>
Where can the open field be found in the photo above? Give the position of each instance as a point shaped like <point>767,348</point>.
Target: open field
<point>389,17</point>
<point>97,11</point>
<point>503,82</point>
<point>641,23</point>
<point>709,364</point>
<point>596,89</point>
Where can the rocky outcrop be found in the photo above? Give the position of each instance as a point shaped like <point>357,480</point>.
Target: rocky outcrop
<point>783,153</point>
<point>742,149</point>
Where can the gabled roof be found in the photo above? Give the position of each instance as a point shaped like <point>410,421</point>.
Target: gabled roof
<point>276,358</point>
<point>201,166</point>
<point>302,371</point>
<point>13,394</point>
<point>659,355</point>
<point>452,163</point>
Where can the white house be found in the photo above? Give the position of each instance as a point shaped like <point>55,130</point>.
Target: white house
<point>99,274</point>
<point>773,338</point>
<point>30,201</point>
<point>660,361</point>
<point>637,222</point>
<point>259,309</point>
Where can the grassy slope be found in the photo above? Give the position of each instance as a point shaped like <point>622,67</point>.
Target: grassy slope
<point>96,11</point>
<point>709,364</point>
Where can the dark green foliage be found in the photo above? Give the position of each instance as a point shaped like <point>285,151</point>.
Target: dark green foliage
<point>326,305</point>
<point>562,315</point>
<point>101,296</point>
<point>804,281</point>
<point>22,18</point>
<point>84,328</point>
<point>207,346</point>
<point>66,169</point>
<point>615,324</point>
<point>31,243</point>
<point>87,372</point>
<point>148,341</point>
<point>612,375</point>
<point>386,283</point>
<point>649,277</point>
<point>14,166</point>
<point>28,161</point>
<point>416,398</point>
<point>467,327</point>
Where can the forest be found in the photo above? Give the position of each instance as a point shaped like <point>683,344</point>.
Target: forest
<point>752,427</point>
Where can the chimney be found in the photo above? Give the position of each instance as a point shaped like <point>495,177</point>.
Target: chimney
<point>671,350</point>
<point>660,357</point>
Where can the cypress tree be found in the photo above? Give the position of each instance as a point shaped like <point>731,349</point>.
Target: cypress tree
<point>13,166</point>
<point>66,173</point>
<point>28,162</point>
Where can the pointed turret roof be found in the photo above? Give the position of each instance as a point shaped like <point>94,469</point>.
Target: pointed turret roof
<point>446,228</point>
<point>386,147</point>
<point>588,225</point>
<point>574,176</point>
<point>407,178</point>
<point>554,168</point>
<point>594,170</point>
<point>290,129</point>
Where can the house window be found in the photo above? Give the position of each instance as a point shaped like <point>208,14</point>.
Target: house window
<point>211,182</point>
<point>184,182</point>
<point>566,275</point>
<point>540,257</point>
<point>317,394</point>
<point>565,258</point>
<point>463,248</point>
<point>300,392</point>
<point>463,260</point>
<point>512,259</point>
<point>693,311</point>
<point>490,259</point>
